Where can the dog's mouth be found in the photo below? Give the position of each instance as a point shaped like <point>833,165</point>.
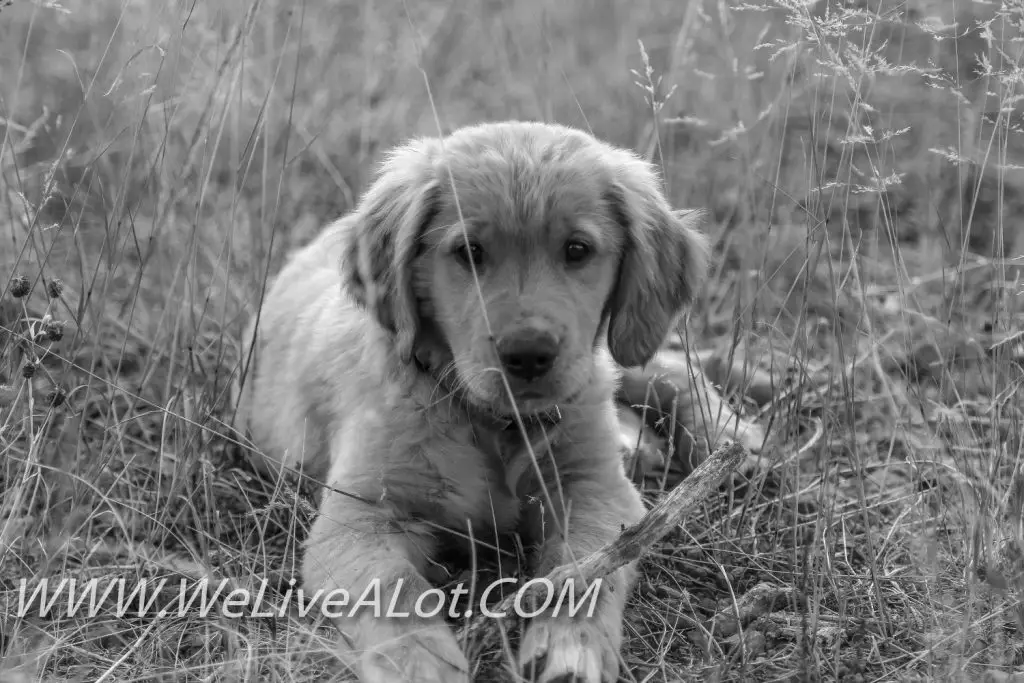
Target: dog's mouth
<point>526,401</point>
<point>532,401</point>
<point>501,398</point>
<point>530,395</point>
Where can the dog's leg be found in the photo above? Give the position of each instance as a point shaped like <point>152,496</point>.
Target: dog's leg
<point>356,546</point>
<point>682,404</point>
<point>594,505</point>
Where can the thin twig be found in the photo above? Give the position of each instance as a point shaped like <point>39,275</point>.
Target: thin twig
<point>659,521</point>
<point>637,539</point>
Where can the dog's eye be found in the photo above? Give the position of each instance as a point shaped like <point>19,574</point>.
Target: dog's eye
<point>473,253</point>
<point>576,251</point>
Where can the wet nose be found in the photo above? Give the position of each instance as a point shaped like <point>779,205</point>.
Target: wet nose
<point>529,353</point>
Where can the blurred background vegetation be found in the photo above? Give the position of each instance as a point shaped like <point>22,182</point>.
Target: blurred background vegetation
<point>146,132</point>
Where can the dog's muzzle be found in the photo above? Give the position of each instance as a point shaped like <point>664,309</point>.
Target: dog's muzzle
<point>528,353</point>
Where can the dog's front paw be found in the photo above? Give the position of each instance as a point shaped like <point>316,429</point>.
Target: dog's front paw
<point>556,650</point>
<point>430,655</point>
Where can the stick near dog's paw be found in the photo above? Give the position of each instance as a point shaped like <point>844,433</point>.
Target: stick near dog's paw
<point>661,519</point>
<point>635,540</point>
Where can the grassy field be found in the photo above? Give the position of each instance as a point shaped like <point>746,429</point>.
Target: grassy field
<point>863,165</point>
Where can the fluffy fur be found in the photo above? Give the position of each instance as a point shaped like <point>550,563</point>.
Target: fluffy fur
<point>377,369</point>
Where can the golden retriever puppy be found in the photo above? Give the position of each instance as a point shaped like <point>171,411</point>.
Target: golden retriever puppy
<point>446,360</point>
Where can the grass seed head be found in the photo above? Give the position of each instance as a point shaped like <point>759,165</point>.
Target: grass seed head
<point>20,286</point>
<point>54,330</point>
<point>56,397</point>
<point>54,288</point>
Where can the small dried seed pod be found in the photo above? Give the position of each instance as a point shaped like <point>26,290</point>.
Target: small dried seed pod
<point>28,370</point>
<point>56,397</point>
<point>54,288</point>
<point>54,330</point>
<point>20,286</point>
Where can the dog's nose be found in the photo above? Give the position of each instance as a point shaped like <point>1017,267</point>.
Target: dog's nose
<point>529,353</point>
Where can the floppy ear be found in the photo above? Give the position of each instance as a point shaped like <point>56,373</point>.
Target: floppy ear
<point>384,238</point>
<point>664,263</point>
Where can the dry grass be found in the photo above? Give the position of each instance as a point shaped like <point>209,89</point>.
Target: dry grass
<point>863,166</point>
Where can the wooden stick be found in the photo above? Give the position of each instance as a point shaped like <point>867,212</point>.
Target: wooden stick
<point>661,519</point>
<point>635,540</point>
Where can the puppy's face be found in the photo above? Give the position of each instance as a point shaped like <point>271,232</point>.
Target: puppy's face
<point>507,253</point>
<point>517,281</point>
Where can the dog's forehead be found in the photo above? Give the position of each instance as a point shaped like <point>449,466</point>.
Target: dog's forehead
<point>543,141</point>
<point>513,183</point>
